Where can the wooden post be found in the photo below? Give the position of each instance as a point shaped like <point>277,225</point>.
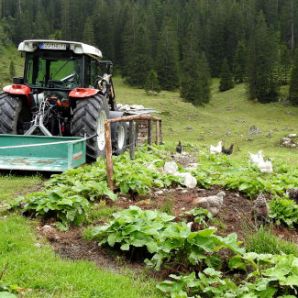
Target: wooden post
<point>149,132</point>
<point>160,132</point>
<point>109,161</point>
<point>157,133</point>
<point>132,140</point>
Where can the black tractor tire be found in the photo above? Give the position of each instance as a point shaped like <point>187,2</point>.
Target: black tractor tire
<point>10,110</point>
<point>87,120</point>
<point>119,137</point>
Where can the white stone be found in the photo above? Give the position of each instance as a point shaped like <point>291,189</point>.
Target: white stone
<point>170,167</point>
<point>188,180</point>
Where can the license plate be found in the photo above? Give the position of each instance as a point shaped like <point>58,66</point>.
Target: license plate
<point>52,46</point>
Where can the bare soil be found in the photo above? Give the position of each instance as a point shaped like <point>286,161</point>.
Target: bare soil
<point>235,216</point>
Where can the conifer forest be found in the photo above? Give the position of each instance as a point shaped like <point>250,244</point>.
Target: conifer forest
<point>179,42</point>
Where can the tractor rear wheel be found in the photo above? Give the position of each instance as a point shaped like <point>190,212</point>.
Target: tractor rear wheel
<point>88,119</point>
<point>119,137</point>
<point>10,110</point>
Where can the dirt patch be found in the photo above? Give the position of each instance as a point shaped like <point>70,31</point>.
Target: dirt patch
<point>235,216</point>
<point>72,245</point>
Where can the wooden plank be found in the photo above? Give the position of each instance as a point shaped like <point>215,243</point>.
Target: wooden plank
<point>109,161</point>
<point>132,118</point>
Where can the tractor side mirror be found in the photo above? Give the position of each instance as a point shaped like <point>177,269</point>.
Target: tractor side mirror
<point>18,80</point>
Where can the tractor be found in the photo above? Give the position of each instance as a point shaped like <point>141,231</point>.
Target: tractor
<point>66,90</point>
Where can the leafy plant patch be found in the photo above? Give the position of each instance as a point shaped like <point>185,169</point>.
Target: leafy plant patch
<point>270,276</point>
<point>223,171</point>
<point>285,211</point>
<point>169,242</point>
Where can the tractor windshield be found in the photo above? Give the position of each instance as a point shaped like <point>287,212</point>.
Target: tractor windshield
<point>49,69</point>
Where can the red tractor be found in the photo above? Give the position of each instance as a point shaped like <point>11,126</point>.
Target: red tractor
<point>66,90</point>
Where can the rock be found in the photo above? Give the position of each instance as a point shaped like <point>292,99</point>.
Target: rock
<point>253,130</point>
<point>49,232</point>
<point>170,167</point>
<point>188,180</point>
<point>159,192</point>
<point>192,166</point>
<point>292,135</point>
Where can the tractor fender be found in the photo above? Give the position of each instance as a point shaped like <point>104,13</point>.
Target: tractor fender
<point>81,93</point>
<point>19,90</point>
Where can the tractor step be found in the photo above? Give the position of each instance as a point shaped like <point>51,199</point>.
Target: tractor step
<point>41,153</point>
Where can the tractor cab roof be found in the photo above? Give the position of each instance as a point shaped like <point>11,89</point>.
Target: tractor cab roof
<point>59,45</point>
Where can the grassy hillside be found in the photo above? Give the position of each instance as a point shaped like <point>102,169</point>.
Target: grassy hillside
<point>227,117</point>
<point>8,54</point>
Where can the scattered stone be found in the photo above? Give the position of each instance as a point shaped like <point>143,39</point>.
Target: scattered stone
<point>37,245</point>
<point>192,166</point>
<point>253,130</point>
<point>290,141</point>
<point>49,232</point>
<point>188,180</point>
<point>159,192</point>
<point>170,167</point>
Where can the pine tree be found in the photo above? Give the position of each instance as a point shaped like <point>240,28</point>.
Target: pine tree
<point>226,78</point>
<point>167,58</point>
<point>151,83</point>
<point>240,62</point>
<point>137,53</point>
<point>195,76</point>
<point>262,83</point>
<point>293,92</point>
<point>88,35</point>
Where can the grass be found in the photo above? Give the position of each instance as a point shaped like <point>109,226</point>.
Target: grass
<point>38,269</point>
<point>44,274</point>
<point>264,241</point>
<point>227,117</point>
<point>11,186</point>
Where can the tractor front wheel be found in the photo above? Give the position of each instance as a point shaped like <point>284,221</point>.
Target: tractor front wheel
<point>10,109</point>
<point>88,120</point>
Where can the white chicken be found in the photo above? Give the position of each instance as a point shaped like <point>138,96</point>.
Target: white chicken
<point>216,149</point>
<point>265,166</point>
<point>256,158</point>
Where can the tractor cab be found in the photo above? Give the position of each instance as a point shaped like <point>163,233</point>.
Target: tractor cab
<point>61,65</point>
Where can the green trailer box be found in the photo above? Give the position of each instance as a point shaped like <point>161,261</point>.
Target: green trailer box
<point>41,153</point>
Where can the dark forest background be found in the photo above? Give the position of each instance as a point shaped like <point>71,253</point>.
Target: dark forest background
<point>176,43</point>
